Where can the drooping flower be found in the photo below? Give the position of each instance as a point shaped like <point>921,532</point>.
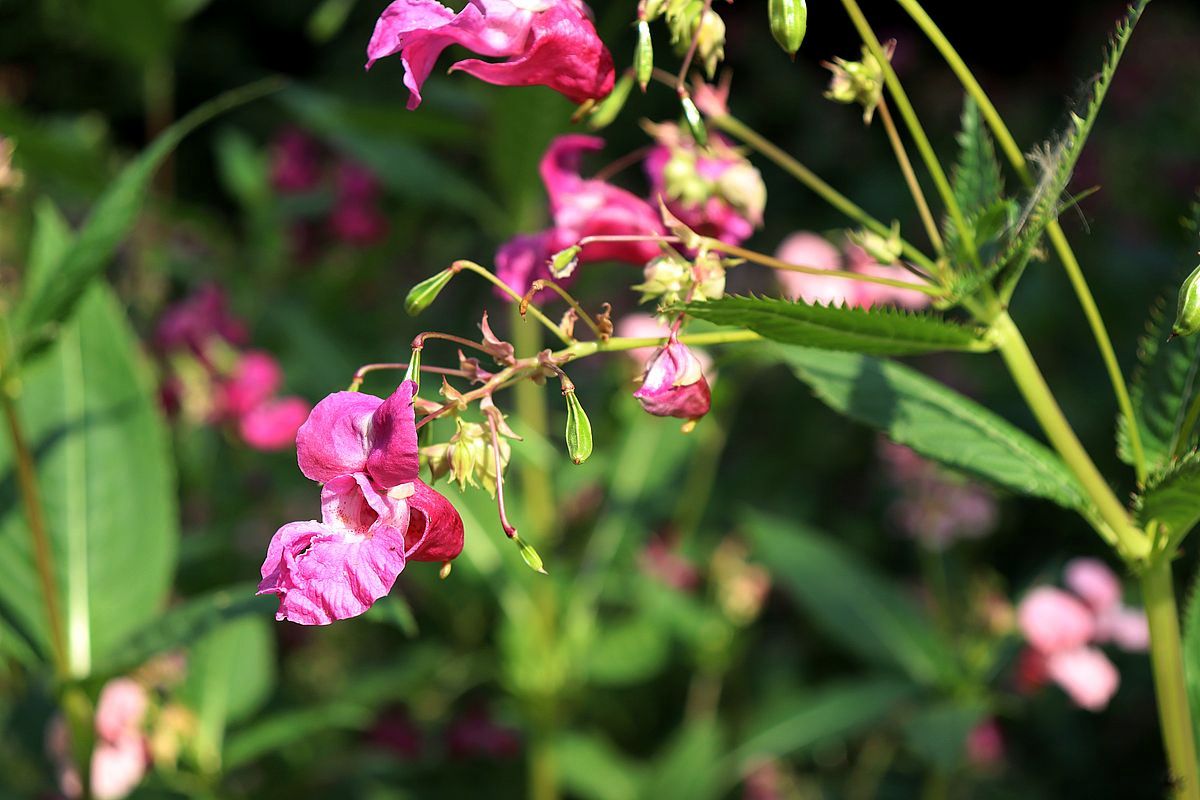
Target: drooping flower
<point>716,192</point>
<point>544,43</point>
<point>674,384</point>
<point>376,514</point>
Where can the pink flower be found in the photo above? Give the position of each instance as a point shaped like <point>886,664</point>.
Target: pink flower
<point>523,259</point>
<point>1127,628</point>
<point>376,514</point>
<point>663,562</point>
<point>934,508</point>
<point>873,294</point>
<point>255,380</point>
<point>295,162</point>
<point>985,744</point>
<point>545,43</point>
<point>810,250</point>
<point>118,767</point>
<point>1086,675</point>
<point>1054,621</point>
<point>356,218</point>
<point>121,708</point>
<point>674,384</point>
<point>1092,580</point>
<point>273,424</point>
<point>647,326</point>
<point>192,323</point>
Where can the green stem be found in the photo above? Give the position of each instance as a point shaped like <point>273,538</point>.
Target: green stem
<point>790,165</point>
<point>42,553</point>
<point>914,126</point>
<point>910,176</point>
<point>1058,239</point>
<point>775,263</point>
<point>1166,655</point>
<point>1130,541</point>
<point>531,309</point>
<point>543,769</point>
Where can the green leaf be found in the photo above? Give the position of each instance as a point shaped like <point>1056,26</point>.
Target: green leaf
<point>690,766</point>
<point>91,415</point>
<point>976,179</point>
<point>52,287</point>
<point>231,673</point>
<point>1172,500</point>
<point>184,624</point>
<point>592,769</point>
<point>1164,384</point>
<point>282,730</point>
<point>792,725</point>
<point>936,421</point>
<point>850,602</point>
<point>628,652</point>
<point>878,331</point>
<point>938,734</point>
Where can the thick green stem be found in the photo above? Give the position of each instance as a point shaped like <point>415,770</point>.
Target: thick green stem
<point>1166,655</point>
<point>1058,239</point>
<point>42,553</point>
<point>739,130</point>
<point>1133,544</point>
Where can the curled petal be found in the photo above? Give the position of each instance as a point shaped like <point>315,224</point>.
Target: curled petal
<point>674,384</point>
<point>435,529</point>
<point>393,457</point>
<point>1086,675</point>
<point>334,440</point>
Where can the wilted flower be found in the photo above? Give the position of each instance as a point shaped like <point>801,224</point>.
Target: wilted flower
<point>544,42</point>
<point>376,512</point>
<point>673,384</point>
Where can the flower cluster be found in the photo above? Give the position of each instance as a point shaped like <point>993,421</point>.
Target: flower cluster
<point>210,379</point>
<point>1063,627</point>
<point>376,513</point>
<point>811,250</point>
<point>543,43</point>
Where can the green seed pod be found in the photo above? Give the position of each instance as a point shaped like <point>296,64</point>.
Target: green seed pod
<point>530,555</point>
<point>643,56</point>
<point>1187,319</point>
<point>579,430</point>
<point>564,262</point>
<point>695,121</point>
<point>789,21</point>
<point>421,296</point>
<point>607,110</point>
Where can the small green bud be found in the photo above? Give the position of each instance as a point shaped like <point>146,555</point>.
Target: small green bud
<point>413,373</point>
<point>643,55</point>
<point>789,21</point>
<point>424,293</point>
<point>579,429</point>
<point>1187,320</point>
<point>530,555</point>
<point>564,262</point>
<point>883,249</point>
<point>607,110</point>
<point>695,121</point>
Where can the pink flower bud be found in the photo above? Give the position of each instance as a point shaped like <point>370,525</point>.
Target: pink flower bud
<point>120,709</point>
<point>674,384</point>
<point>1092,580</point>
<point>1053,621</point>
<point>1086,675</point>
<point>985,744</point>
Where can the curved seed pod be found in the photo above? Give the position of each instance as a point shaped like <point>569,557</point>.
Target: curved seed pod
<point>643,56</point>
<point>579,430</point>
<point>695,121</point>
<point>421,296</point>
<point>607,110</point>
<point>1187,318</point>
<point>789,22</point>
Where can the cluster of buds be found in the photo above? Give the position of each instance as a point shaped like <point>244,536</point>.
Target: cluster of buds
<point>859,81</point>
<point>672,278</point>
<point>688,21</point>
<point>471,458</point>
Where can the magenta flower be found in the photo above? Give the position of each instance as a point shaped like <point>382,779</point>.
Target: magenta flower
<point>674,384</point>
<point>376,514</point>
<point>295,162</point>
<point>356,218</point>
<point>524,259</point>
<point>544,43</point>
<point>194,322</point>
<point>255,380</point>
<point>272,425</point>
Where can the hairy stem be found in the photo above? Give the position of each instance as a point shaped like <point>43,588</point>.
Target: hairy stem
<point>790,165</point>
<point>1166,655</point>
<point>43,555</point>
<point>1058,239</point>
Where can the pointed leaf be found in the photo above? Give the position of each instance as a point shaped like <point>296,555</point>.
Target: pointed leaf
<point>976,179</point>
<point>935,421</point>
<point>1172,499</point>
<point>878,331</point>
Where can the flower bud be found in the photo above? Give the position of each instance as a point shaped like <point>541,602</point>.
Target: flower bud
<point>884,250</point>
<point>859,81</point>
<point>564,262</point>
<point>421,296</point>
<point>668,278</point>
<point>579,429</point>
<point>674,384</point>
<point>789,21</point>
<point>710,41</point>
<point>607,109</point>
<point>643,56</point>
<point>708,278</point>
<point>1187,319</point>
<point>695,121</point>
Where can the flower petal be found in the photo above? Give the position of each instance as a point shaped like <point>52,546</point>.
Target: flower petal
<point>435,529</point>
<point>393,457</point>
<point>334,439</point>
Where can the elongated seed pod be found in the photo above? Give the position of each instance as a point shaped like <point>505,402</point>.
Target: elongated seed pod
<point>789,21</point>
<point>643,56</point>
<point>1187,318</point>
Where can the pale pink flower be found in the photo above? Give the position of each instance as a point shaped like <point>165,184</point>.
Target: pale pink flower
<point>811,250</point>
<point>1125,627</point>
<point>873,294</point>
<point>1054,621</point>
<point>272,425</point>
<point>544,42</point>
<point>118,767</point>
<point>121,708</point>
<point>934,507</point>
<point>1092,580</point>
<point>1085,674</point>
<point>674,384</point>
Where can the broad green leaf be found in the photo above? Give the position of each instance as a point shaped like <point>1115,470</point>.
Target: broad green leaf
<point>1164,384</point>
<point>938,734</point>
<point>284,729</point>
<point>935,421</point>
<point>976,179</point>
<point>592,769</point>
<point>852,603</point>
<point>51,288</point>
<point>231,673</point>
<point>1172,499</point>
<point>794,724</point>
<point>90,414</point>
<point>877,331</point>
<point>184,624</point>
<point>690,766</point>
